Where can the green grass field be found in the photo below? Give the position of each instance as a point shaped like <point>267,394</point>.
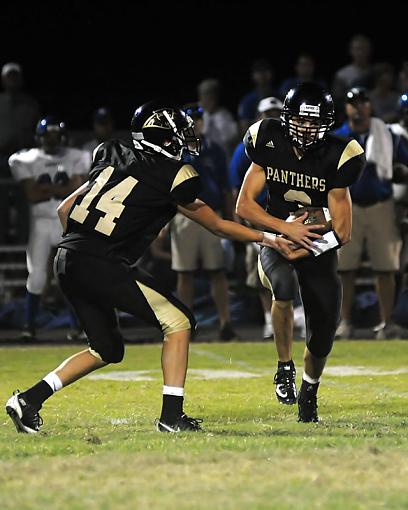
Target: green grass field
<point>99,449</point>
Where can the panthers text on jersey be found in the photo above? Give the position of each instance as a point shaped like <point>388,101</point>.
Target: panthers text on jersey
<point>130,197</point>
<point>292,182</point>
<point>42,167</point>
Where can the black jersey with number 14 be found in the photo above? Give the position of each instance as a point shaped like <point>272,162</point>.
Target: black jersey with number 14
<point>294,182</point>
<point>130,197</point>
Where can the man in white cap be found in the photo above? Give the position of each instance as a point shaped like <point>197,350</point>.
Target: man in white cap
<point>19,113</point>
<point>270,107</point>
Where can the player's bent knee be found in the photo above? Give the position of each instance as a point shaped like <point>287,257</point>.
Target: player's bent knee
<point>110,352</point>
<point>284,291</point>
<point>95,354</point>
<point>321,349</point>
<point>180,321</point>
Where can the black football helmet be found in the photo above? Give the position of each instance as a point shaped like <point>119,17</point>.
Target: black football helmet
<point>307,115</point>
<point>165,130</point>
<point>50,131</point>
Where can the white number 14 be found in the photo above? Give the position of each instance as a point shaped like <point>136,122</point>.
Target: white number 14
<point>111,202</point>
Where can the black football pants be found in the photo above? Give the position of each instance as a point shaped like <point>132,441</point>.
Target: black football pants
<point>95,287</point>
<point>320,290</point>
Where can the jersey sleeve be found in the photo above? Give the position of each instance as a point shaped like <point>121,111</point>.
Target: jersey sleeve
<point>19,169</point>
<point>102,153</point>
<point>99,154</point>
<point>349,167</point>
<point>186,186</point>
<point>250,139</point>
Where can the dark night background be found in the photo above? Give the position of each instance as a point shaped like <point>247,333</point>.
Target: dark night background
<point>77,56</point>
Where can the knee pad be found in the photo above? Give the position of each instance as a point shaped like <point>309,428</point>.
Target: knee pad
<point>181,321</point>
<point>110,351</point>
<point>321,338</point>
<point>277,275</point>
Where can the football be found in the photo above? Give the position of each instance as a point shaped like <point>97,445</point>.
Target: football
<point>316,216</point>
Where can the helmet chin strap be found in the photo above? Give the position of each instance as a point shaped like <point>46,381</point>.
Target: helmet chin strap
<point>159,149</point>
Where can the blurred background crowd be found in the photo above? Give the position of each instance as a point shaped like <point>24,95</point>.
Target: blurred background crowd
<point>228,293</point>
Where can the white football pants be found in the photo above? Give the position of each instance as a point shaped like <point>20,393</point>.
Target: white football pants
<point>45,233</point>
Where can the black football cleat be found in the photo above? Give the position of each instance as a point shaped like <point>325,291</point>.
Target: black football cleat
<point>183,424</point>
<point>307,403</point>
<point>285,382</point>
<point>25,416</point>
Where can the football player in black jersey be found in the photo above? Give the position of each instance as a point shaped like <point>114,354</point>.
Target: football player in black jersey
<point>108,222</point>
<point>302,164</point>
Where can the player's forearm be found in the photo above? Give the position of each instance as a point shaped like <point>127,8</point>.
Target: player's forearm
<point>341,212</point>
<point>342,227</point>
<point>251,211</point>
<point>203,214</point>
<point>233,230</point>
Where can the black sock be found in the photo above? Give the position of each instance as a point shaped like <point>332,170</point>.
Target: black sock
<point>37,394</point>
<point>285,363</point>
<point>307,389</point>
<point>172,408</point>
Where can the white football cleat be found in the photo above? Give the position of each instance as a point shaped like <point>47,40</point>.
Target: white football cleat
<point>25,416</point>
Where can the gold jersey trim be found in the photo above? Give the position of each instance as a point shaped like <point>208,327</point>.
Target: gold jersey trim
<point>185,172</point>
<point>352,149</point>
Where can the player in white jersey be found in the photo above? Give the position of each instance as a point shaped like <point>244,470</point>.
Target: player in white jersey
<point>48,174</point>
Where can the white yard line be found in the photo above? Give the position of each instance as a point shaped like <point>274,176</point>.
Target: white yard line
<point>153,375</point>
<point>347,370</point>
<point>250,372</point>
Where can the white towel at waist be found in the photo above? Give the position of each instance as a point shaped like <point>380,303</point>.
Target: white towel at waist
<point>379,148</point>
